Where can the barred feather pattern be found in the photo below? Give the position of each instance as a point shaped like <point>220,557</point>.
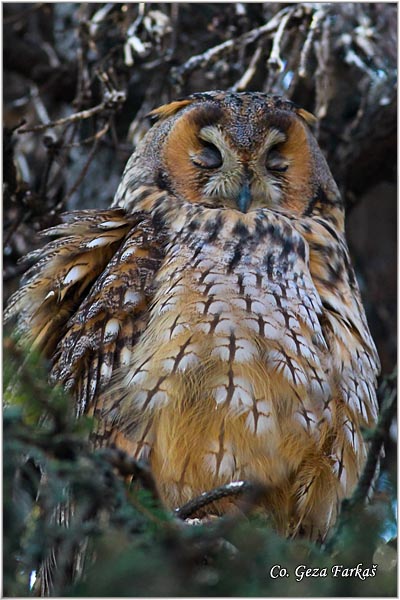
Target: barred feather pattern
<point>84,302</point>
<point>232,350</point>
<point>252,364</point>
<point>211,321</point>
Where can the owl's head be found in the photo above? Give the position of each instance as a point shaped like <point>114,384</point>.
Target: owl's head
<point>237,150</point>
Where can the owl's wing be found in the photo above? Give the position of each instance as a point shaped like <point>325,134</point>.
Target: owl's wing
<point>85,301</point>
<point>353,352</point>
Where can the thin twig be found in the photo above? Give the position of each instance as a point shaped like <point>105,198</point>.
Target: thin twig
<point>61,159</point>
<point>83,92</point>
<point>52,149</point>
<point>88,140</point>
<point>110,100</point>
<point>83,172</point>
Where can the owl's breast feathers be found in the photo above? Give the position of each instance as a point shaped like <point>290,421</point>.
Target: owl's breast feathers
<point>237,352</point>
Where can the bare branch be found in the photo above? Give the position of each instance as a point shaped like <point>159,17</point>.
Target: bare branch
<point>211,55</point>
<point>319,15</point>
<point>112,101</point>
<point>274,59</point>
<point>250,71</point>
<point>233,489</point>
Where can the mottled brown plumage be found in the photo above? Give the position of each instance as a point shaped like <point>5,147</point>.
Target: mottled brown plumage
<point>211,320</point>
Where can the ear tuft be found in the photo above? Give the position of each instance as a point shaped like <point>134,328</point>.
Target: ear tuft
<point>168,110</point>
<point>306,116</point>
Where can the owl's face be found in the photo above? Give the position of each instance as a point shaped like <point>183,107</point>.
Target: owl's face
<point>238,150</point>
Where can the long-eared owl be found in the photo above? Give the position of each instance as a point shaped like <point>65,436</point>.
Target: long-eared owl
<point>210,320</point>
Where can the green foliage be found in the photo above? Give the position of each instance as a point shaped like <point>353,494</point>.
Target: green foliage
<point>134,546</point>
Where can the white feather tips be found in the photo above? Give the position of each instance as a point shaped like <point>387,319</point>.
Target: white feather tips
<point>75,274</point>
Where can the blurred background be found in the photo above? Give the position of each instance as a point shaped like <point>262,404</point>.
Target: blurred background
<point>80,78</point>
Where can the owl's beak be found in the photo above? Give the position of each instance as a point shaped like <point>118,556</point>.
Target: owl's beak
<point>244,197</point>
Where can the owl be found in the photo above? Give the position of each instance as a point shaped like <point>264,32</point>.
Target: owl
<point>210,320</point>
